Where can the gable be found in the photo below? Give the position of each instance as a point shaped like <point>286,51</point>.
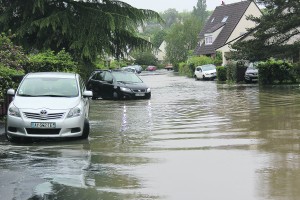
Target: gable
<point>225,16</point>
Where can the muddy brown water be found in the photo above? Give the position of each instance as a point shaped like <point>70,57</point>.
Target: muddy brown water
<point>193,140</point>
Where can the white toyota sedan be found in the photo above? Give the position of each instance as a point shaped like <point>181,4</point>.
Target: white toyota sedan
<point>49,105</point>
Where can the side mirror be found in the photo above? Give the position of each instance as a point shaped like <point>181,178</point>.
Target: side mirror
<point>11,92</point>
<point>87,93</point>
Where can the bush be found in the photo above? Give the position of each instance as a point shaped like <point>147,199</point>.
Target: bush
<point>221,73</point>
<point>48,61</point>
<point>11,56</point>
<point>275,71</point>
<point>236,71</point>
<point>8,79</point>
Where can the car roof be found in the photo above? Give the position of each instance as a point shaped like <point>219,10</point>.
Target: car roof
<point>52,75</point>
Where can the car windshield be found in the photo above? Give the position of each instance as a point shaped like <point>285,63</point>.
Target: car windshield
<point>127,77</point>
<point>53,87</point>
<point>208,67</point>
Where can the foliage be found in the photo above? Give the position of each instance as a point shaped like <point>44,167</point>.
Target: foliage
<point>188,68</point>
<point>158,38</point>
<point>145,58</point>
<point>231,71</point>
<point>170,17</point>
<point>275,71</point>
<point>200,11</point>
<point>8,79</point>
<point>221,73</point>
<point>276,28</point>
<point>49,61</point>
<point>181,38</point>
<point>11,55</point>
<point>84,28</point>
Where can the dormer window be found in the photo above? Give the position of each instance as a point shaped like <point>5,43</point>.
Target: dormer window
<point>208,40</point>
<point>225,19</point>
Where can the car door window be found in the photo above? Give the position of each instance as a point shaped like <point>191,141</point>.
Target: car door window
<point>108,77</point>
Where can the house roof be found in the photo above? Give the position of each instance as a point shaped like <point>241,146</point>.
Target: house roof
<point>234,12</point>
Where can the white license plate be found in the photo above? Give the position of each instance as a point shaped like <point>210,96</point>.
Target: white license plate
<point>140,94</point>
<point>43,125</point>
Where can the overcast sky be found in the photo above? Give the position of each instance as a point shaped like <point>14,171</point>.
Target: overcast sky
<point>179,5</point>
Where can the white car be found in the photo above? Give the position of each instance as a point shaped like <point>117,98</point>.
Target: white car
<point>48,105</point>
<point>205,72</point>
<point>251,73</point>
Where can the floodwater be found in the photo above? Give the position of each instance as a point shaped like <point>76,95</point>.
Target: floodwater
<point>193,140</point>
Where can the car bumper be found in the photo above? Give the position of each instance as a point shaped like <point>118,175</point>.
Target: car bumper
<point>251,78</point>
<point>66,127</point>
<point>137,95</point>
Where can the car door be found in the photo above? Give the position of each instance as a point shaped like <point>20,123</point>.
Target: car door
<point>96,83</point>
<point>198,72</point>
<point>108,86</point>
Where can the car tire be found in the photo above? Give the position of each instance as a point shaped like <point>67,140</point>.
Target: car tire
<point>148,96</point>
<point>12,139</point>
<point>86,129</point>
<point>116,96</point>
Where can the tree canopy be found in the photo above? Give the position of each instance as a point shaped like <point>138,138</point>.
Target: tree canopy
<point>277,32</point>
<point>86,28</point>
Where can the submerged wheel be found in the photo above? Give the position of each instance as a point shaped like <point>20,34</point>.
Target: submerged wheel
<point>115,96</point>
<point>12,139</point>
<point>86,129</point>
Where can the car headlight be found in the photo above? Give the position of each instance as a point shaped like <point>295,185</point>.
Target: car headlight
<point>74,112</point>
<point>148,90</point>
<point>125,89</point>
<point>14,111</point>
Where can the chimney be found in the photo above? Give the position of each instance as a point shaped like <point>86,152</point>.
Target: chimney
<point>223,3</point>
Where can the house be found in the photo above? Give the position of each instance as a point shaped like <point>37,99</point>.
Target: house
<point>160,53</point>
<point>226,24</point>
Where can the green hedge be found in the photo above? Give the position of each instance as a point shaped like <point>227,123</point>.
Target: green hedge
<point>221,73</point>
<point>276,71</point>
<point>48,61</point>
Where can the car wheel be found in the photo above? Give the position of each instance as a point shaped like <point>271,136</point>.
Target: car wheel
<point>12,139</point>
<point>115,96</point>
<point>86,129</point>
<point>196,79</point>
<point>148,96</point>
<point>203,77</point>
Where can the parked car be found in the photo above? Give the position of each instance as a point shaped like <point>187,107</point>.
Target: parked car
<point>138,68</point>
<point>251,74</point>
<point>205,72</point>
<point>151,68</point>
<point>118,84</point>
<point>129,69</point>
<point>49,105</point>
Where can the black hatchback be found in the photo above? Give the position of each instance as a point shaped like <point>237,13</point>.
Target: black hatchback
<point>117,84</point>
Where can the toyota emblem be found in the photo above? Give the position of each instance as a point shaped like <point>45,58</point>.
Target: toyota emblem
<point>43,112</point>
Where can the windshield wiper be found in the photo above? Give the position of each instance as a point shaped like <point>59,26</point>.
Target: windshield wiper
<point>27,95</point>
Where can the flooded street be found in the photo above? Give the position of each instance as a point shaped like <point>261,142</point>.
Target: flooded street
<point>193,140</point>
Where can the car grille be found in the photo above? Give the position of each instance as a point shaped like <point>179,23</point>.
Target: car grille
<point>41,117</point>
<point>43,131</point>
<point>141,90</point>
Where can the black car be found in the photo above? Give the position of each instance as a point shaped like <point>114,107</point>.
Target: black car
<point>117,84</point>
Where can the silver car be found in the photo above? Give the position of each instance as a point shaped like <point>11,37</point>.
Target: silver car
<point>49,105</point>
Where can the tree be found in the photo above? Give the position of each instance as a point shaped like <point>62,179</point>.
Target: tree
<point>273,35</point>
<point>86,28</point>
<point>181,38</point>
<point>200,11</point>
<point>170,17</point>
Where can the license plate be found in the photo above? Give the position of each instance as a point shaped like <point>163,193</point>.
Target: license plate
<point>140,94</point>
<point>43,125</point>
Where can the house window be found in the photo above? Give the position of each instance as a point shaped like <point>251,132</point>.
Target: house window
<point>225,19</point>
<point>208,40</point>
